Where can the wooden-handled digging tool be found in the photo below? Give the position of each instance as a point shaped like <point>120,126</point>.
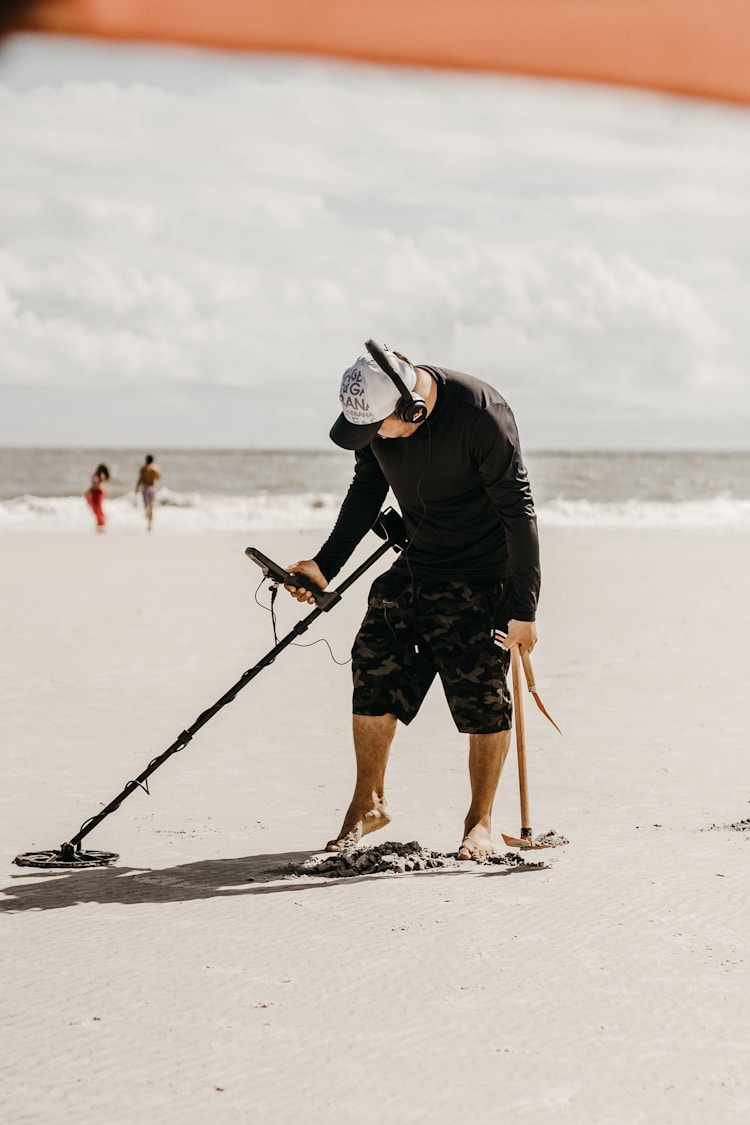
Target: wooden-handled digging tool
<point>526,840</point>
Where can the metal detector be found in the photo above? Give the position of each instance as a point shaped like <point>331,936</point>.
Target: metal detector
<point>389,526</point>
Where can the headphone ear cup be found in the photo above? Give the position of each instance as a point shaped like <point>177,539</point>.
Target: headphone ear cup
<point>413,411</point>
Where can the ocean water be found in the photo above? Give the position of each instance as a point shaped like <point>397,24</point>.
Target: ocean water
<point>239,490</point>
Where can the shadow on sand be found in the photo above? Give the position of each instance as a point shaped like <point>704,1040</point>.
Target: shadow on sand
<point>189,882</point>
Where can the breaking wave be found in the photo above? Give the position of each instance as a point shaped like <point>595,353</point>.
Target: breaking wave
<point>307,511</point>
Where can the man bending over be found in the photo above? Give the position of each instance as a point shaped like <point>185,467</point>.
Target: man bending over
<point>447,445</point>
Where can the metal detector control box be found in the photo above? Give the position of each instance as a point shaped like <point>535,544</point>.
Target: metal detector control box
<point>324,599</point>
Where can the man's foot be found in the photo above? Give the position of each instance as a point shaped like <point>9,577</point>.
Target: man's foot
<point>477,844</point>
<point>358,824</point>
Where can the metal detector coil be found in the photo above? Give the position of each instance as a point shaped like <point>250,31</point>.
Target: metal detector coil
<point>66,856</point>
<point>389,526</point>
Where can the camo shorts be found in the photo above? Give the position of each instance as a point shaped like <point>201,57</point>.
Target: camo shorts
<point>413,631</point>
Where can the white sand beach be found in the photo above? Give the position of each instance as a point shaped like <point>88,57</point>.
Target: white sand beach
<point>192,981</point>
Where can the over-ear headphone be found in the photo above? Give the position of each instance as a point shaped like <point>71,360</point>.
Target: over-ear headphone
<point>410,407</point>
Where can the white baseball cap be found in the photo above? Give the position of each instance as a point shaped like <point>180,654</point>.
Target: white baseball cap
<point>368,396</point>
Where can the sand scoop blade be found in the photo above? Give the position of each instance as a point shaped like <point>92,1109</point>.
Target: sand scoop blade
<point>525,845</point>
<point>528,844</point>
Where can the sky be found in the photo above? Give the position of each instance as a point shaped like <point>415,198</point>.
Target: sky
<point>195,245</point>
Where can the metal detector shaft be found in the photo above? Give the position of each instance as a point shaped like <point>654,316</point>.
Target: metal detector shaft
<point>388,526</point>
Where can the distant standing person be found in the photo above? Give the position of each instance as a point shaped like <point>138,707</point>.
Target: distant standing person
<point>95,496</point>
<point>146,485</point>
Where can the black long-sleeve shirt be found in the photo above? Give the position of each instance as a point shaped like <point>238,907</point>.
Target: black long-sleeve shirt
<point>463,490</point>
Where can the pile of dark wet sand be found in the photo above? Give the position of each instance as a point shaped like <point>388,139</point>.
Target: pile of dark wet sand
<point>551,839</point>
<point>392,858</point>
<point>738,826</point>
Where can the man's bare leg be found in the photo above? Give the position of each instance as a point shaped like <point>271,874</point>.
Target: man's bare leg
<point>368,811</point>
<point>487,754</point>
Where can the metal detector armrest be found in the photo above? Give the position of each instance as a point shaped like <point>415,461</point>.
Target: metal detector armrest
<point>390,526</point>
<point>323,598</point>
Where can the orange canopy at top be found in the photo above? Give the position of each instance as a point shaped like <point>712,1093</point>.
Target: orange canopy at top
<point>693,47</point>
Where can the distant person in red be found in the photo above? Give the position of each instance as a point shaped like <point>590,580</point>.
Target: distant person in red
<point>146,484</point>
<point>95,495</point>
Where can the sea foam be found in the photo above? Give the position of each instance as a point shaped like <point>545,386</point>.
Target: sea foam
<point>187,513</point>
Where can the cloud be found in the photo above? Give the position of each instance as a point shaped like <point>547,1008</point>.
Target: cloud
<point>248,224</point>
